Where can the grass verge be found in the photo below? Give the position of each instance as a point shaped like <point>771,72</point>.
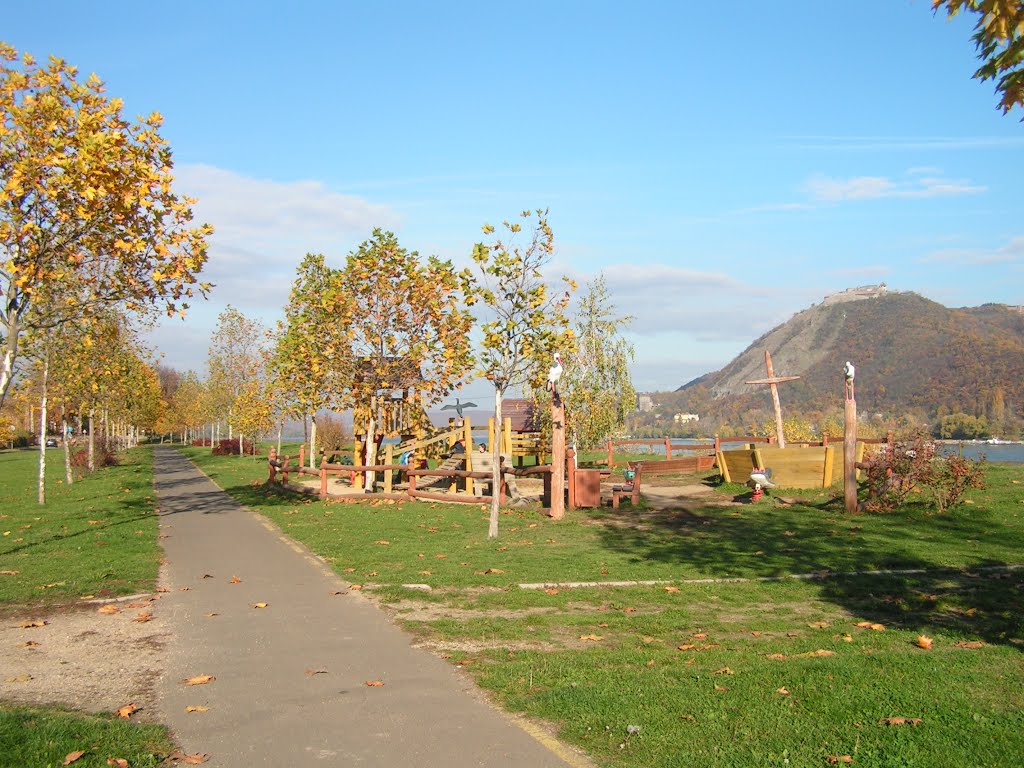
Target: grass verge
<point>751,667</point>
<point>33,736</point>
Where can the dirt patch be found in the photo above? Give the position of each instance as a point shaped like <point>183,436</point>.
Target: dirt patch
<point>83,659</point>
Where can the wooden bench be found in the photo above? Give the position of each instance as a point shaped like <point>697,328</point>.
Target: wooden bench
<point>680,466</point>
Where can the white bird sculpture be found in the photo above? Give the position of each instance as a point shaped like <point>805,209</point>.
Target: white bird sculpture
<point>457,406</point>
<point>555,373</point>
<point>848,373</point>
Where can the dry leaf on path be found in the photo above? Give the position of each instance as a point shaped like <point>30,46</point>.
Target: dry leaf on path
<point>19,679</point>
<point>143,617</point>
<point>260,605</point>
<point>374,683</point>
<point>199,680</point>
<point>33,623</point>
<point>195,759</point>
<point>234,580</point>
<point>126,711</point>
<point>312,672</point>
<point>72,756</point>
<point>197,708</point>
<point>108,609</point>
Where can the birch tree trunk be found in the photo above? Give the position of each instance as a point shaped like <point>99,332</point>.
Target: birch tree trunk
<point>492,527</point>
<point>42,432</point>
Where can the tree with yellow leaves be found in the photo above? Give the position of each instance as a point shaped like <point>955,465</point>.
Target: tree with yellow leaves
<point>88,216</point>
<point>999,40</point>
<point>526,322</point>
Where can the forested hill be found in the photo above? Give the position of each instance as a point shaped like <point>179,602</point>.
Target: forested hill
<point>910,353</point>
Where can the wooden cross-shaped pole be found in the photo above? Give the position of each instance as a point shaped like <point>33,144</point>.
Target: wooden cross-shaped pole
<point>773,381</point>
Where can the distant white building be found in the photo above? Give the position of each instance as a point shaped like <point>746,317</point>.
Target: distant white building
<point>644,403</point>
<point>682,418</point>
<point>856,294</point>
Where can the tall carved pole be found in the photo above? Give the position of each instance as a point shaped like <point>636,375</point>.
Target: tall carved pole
<point>850,444</point>
<point>773,381</point>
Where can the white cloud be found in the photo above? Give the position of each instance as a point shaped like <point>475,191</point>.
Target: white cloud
<point>828,189</point>
<point>1011,252</point>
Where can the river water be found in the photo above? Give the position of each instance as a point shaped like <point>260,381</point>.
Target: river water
<point>998,452</point>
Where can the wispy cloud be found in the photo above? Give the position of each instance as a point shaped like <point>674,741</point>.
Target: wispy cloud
<point>1010,253</point>
<point>829,189</point>
<point>887,143</point>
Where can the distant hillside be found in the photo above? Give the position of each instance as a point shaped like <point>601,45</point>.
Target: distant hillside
<point>910,353</point>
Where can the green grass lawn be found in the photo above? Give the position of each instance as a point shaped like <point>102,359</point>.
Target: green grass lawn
<point>728,661</point>
<point>97,536</point>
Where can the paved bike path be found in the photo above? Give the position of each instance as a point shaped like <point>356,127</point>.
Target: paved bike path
<point>290,679</point>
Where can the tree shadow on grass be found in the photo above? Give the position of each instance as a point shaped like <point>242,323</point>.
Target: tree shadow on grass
<point>845,554</point>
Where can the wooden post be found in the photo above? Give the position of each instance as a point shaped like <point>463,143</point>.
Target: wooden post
<point>773,381</point>
<point>302,456</point>
<point>668,448</point>
<point>557,457</point>
<point>611,461</point>
<point>850,454</point>
<point>570,460</point>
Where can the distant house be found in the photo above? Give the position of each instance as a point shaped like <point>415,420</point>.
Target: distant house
<point>644,403</point>
<point>682,418</point>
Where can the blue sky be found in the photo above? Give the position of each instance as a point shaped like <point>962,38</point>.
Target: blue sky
<point>724,165</point>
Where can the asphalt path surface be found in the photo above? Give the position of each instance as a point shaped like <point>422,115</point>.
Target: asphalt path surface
<point>289,683</point>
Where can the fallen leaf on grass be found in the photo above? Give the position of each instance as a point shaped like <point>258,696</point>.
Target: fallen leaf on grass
<point>629,609</point>
<point>818,624</point>
<point>777,656</point>
<point>783,691</point>
<point>724,671</point>
<point>109,610</point>
<point>382,542</point>
<point>197,708</point>
<point>12,573</point>
<point>355,587</point>
<point>592,638</point>
<point>33,623</point>
<point>721,687</point>
<point>870,625</point>
<point>374,683</point>
<point>970,644</point>
<point>126,711</point>
<point>699,635</point>
<point>72,756</point>
<point>923,641</point>
<point>671,589</point>
<point>901,721</point>
<point>199,680</point>
<point>260,605</point>
<point>817,654</point>
<point>836,759</point>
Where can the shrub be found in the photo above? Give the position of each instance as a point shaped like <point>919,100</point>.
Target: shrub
<point>104,457</point>
<point>914,467</point>
<point>229,447</point>
<point>331,433</point>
